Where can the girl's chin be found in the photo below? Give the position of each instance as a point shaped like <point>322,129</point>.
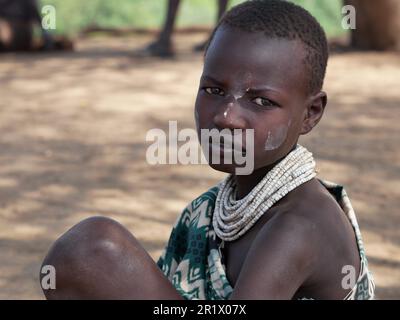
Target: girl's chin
<point>229,168</point>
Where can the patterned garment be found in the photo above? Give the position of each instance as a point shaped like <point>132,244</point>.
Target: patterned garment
<point>192,259</point>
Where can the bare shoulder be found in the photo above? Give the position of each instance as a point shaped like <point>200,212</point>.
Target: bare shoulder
<point>300,224</point>
<point>300,251</point>
<point>283,255</point>
<point>329,235</point>
<point>306,214</point>
<point>317,214</point>
<point>312,201</point>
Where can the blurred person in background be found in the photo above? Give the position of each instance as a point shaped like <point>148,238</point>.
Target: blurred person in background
<point>17,21</point>
<point>162,46</point>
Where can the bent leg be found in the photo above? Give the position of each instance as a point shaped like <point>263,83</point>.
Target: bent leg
<point>100,259</point>
<point>166,33</point>
<point>222,5</point>
<point>162,46</point>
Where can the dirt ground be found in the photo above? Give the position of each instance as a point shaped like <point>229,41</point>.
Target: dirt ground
<point>72,145</point>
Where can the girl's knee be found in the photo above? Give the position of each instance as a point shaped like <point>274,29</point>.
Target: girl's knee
<point>96,243</point>
<point>89,237</point>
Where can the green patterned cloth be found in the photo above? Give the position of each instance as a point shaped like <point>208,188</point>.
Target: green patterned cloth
<point>193,262</point>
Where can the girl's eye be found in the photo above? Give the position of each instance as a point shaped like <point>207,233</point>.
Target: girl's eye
<point>214,90</point>
<point>264,102</point>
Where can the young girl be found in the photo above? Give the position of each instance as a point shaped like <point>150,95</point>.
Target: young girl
<point>277,233</point>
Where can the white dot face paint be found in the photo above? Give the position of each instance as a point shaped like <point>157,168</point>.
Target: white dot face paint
<point>230,105</point>
<point>244,79</point>
<point>237,96</point>
<point>276,137</point>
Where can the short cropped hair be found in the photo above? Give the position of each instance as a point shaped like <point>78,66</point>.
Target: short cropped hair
<point>283,19</point>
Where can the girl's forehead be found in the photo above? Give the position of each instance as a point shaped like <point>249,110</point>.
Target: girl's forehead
<point>254,59</point>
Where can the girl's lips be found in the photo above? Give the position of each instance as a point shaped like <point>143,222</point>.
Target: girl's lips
<point>225,148</point>
<point>229,145</point>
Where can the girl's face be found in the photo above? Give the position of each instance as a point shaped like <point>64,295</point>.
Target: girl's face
<point>252,82</point>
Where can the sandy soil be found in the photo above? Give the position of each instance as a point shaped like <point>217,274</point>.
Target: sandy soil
<point>72,139</point>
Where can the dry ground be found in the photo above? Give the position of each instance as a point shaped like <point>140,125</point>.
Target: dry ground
<point>72,139</point>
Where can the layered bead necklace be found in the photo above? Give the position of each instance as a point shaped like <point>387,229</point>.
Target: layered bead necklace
<point>232,218</point>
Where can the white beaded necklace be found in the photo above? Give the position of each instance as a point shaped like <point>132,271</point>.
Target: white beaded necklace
<point>232,218</point>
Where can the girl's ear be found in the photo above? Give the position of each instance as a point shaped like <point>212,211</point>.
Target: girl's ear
<point>314,111</point>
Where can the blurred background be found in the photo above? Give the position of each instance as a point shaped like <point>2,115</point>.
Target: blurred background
<point>76,104</point>
<point>75,15</point>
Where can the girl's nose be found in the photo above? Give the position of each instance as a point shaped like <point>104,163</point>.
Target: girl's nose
<point>229,116</point>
